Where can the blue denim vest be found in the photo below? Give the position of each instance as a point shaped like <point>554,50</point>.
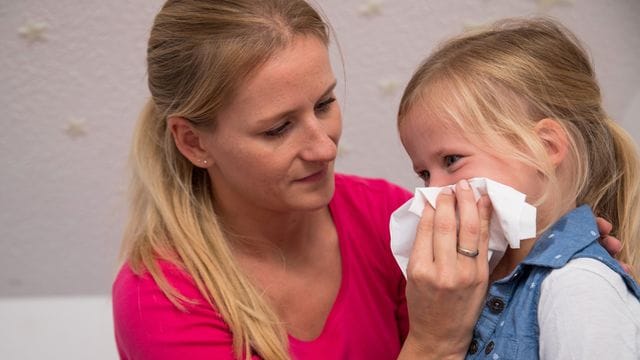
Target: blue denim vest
<point>508,325</point>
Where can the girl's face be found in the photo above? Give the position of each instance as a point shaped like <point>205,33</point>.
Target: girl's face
<point>273,147</point>
<point>441,156</point>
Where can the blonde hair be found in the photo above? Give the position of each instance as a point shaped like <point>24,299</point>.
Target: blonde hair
<point>199,53</point>
<point>497,83</point>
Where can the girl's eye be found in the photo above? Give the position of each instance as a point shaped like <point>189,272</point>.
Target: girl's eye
<point>278,131</point>
<point>325,105</point>
<point>451,159</point>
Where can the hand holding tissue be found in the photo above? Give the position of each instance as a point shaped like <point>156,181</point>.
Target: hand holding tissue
<point>512,220</point>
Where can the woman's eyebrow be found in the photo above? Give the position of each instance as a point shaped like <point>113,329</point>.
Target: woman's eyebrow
<point>272,118</point>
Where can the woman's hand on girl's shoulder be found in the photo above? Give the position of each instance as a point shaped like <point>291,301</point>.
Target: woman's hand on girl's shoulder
<point>610,243</point>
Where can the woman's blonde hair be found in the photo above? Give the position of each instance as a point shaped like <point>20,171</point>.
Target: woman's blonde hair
<point>497,83</point>
<point>199,53</point>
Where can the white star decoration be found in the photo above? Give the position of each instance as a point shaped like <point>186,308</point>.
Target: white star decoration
<point>473,26</point>
<point>388,87</point>
<point>343,150</point>
<point>76,128</point>
<point>547,4</point>
<point>33,31</point>
<point>371,8</point>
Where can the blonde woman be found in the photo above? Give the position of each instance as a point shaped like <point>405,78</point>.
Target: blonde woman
<point>518,103</point>
<point>242,242</point>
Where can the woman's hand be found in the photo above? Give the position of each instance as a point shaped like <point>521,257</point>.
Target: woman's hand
<point>445,288</point>
<point>610,243</point>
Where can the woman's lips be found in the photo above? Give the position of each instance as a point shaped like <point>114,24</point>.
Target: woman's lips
<point>314,177</point>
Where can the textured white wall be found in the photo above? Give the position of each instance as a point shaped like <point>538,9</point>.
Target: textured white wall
<point>57,328</point>
<point>69,99</point>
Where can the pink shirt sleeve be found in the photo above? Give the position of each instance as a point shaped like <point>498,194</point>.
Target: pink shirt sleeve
<point>149,326</point>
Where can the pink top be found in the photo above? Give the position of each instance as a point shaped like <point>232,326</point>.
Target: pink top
<point>367,321</point>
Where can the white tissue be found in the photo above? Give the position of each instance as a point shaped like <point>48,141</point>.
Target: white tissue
<point>512,219</point>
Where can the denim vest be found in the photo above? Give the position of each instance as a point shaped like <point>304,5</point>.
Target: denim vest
<point>508,325</point>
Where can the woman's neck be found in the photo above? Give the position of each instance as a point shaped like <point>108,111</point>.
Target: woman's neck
<point>275,235</point>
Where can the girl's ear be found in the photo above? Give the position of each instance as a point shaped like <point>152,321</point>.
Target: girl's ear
<point>554,138</point>
<point>188,141</point>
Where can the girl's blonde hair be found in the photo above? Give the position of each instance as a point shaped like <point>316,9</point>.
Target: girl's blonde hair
<point>497,83</point>
<point>199,53</point>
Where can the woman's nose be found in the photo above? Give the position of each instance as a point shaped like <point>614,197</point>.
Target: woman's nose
<point>319,144</point>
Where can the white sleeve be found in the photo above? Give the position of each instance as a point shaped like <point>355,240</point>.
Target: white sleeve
<point>587,312</point>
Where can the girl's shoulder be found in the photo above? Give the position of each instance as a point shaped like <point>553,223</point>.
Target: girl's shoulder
<point>589,281</point>
<point>587,307</point>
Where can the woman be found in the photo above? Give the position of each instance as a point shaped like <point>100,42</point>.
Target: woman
<point>242,242</point>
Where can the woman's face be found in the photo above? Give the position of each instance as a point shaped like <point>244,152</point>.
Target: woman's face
<point>274,145</point>
<point>441,156</point>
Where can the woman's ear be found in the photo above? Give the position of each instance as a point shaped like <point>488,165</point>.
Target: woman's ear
<point>188,141</point>
<point>555,139</point>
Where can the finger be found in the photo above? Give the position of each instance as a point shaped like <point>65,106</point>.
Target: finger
<point>445,229</point>
<point>604,226</point>
<point>484,213</point>
<point>469,225</point>
<point>422,251</point>
<point>611,244</point>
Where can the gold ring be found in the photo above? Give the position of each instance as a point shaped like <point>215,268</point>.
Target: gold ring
<point>467,252</point>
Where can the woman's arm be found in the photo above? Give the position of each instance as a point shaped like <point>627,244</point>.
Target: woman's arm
<point>445,290</point>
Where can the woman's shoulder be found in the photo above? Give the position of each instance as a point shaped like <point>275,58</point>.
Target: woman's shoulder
<point>146,321</point>
<point>140,286</point>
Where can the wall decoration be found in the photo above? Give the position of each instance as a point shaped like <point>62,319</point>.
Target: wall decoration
<point>389,86</point>
<point>33,31</point>
<point>343,149</point>
<point>476,26</point>
<point>76,128</point>
<point>371,8</point>
<point>545,5</point>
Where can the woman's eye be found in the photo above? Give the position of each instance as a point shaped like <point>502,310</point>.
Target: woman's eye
<point>451,159</point>
<point>278,131</point>
<point>325,105</point>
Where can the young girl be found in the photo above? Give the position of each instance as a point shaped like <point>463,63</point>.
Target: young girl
<point>518,103</point>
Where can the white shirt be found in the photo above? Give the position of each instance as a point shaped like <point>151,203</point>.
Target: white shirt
<point>587,312</point>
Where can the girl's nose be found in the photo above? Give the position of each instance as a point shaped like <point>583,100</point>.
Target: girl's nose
<point>439,179</point>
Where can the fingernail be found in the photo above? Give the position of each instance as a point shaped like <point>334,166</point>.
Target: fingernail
<point>464,184</point>
<point>446,191</point>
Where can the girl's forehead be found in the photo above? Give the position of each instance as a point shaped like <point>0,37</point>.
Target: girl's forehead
<point>432,113</point>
